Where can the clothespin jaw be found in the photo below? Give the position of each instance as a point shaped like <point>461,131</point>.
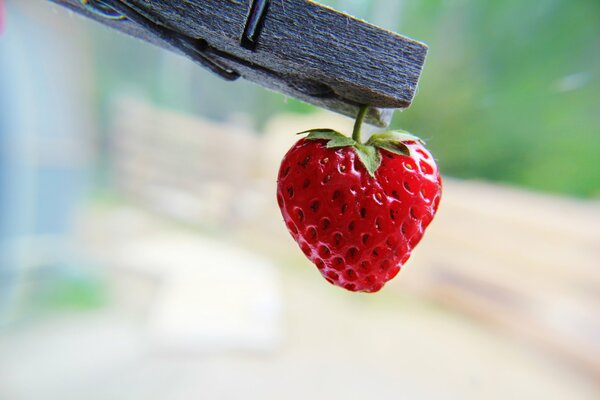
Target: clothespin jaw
<point>296,47</point>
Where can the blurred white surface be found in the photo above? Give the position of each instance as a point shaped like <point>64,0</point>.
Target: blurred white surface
<point>154,343</point>
<point>212,297</point>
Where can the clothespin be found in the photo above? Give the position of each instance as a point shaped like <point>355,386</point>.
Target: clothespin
<point>296,47</point>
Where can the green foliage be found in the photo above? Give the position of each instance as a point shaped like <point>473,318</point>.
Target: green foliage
<point>80,295</point>
<point>67,289</point>
<point>510,91</point>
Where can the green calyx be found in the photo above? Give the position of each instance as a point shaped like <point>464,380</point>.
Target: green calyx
<point>368,153</point>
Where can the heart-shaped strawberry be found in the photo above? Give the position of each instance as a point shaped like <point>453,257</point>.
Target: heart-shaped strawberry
<point>357,210</point>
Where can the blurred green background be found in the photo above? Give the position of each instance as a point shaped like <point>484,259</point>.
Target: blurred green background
<point>143,255</point>
<point>510,91</point>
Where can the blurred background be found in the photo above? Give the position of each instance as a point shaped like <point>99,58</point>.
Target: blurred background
<point>142,254</point>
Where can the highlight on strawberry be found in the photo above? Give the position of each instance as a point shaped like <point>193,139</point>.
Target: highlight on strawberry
<point>356,209</point>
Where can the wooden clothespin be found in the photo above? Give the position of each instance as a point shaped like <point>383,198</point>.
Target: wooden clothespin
<point>296,47</point>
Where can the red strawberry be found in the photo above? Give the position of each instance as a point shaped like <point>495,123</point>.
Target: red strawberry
<point>357,210</point>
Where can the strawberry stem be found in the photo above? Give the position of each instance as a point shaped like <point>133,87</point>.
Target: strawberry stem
<point>362,112</point>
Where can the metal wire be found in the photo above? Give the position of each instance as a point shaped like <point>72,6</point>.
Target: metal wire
<point>102,9</point>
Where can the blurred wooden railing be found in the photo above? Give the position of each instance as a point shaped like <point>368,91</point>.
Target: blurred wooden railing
<point>525,262</point>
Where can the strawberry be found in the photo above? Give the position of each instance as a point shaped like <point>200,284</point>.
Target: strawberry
<point>358,209</point>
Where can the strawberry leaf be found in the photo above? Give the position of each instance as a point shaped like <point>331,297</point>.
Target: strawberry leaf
<point>393,147</point>
<point>314,134</point>
<point>340,142</point>
<point>368,153</point>
<point>394,136</point>
<point>334,138</point>
<point>393,141</point>
<point>369,156</point>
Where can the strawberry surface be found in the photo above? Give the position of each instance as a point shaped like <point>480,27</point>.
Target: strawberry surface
<point>358,226</point>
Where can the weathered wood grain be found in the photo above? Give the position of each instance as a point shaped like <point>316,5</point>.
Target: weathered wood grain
<point>305,50</point>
